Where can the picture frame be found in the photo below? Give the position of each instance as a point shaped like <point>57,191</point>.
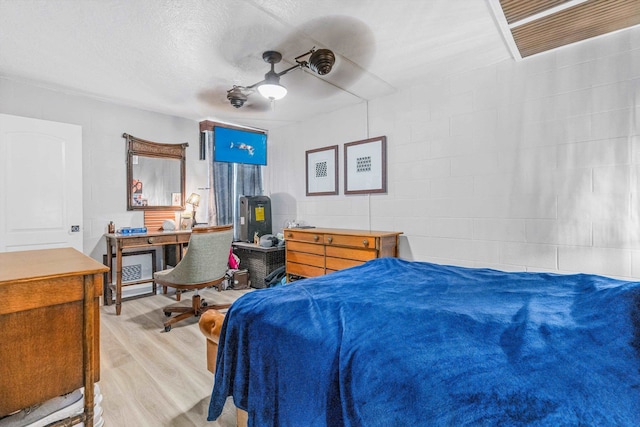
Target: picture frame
<point>176,199</point>
<point>365,166</point>
<point>322,171</point>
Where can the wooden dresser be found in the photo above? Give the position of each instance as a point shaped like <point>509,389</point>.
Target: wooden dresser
<point>49,327</point>
<point>316,251</point>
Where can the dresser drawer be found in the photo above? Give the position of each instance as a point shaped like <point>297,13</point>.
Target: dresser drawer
<point>305,247</point>
<point>304,270</point>
<point>351,253</point>
<point>352,241</point>
<point>341,263</point>
<point>304,236</point>
<point>304,258</point>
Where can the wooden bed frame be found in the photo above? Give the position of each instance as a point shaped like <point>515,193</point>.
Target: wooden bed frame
<point>210,325</point>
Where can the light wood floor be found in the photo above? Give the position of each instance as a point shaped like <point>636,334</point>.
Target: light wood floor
<point>153,378</point>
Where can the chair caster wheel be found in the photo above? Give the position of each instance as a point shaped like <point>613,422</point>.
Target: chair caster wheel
<point>167,313</point>
<point>167,328</point>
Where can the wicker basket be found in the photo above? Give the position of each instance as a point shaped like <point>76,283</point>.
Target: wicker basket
<point>259,261</point>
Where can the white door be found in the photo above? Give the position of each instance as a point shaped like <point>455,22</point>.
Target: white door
<point>40,184</point>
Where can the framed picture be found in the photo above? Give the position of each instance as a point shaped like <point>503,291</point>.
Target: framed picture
<point>365,166</point>
<point>176,199</point>
<point>322,171</point>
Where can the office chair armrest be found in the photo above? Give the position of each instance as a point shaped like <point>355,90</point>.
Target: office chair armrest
<point>210,325</point>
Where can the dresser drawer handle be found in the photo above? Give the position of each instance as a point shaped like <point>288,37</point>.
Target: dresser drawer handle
<point>289,234</point>
<point>330,239</point>
<point>316,238</point>
<point>365,242</point>
<point>150,240</point>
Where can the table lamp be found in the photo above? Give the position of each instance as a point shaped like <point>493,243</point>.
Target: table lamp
<point>194,200</point>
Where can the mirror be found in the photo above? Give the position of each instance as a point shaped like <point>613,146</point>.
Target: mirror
<point>155,175</point>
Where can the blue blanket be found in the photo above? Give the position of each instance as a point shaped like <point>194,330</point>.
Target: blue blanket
<point>397,343</point>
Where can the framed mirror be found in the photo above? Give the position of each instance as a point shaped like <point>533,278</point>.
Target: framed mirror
<point>155,175</point>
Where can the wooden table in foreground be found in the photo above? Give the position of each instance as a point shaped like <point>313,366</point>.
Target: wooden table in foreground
<point>117,243</point>
<point>49,328</point>
<point>317,251</point>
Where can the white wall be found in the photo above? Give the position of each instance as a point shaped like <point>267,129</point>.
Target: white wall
<point>104,150</point>
<point>530,165</point>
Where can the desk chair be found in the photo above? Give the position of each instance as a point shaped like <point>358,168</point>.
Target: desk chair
<point>204,265</point>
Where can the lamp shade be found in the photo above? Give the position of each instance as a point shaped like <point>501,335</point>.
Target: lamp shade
<point>272,91</point>
<point>194,199</point>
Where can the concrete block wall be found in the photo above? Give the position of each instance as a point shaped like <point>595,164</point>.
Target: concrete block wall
<point>528,166</point>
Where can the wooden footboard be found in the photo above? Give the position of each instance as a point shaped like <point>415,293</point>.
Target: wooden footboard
<point>210,325</point>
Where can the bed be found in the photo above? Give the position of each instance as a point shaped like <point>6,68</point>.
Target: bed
<point>399,343</point>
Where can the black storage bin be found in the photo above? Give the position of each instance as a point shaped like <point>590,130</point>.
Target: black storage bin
<point>258,260</point>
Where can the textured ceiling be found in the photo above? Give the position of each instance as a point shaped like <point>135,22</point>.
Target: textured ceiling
<point>181,56</point>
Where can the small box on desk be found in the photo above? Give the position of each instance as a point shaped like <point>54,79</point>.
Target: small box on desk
<point>258,260</point>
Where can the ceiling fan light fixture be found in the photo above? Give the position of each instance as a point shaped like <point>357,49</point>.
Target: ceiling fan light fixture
<point>273,91</point>
<point>271,87</point>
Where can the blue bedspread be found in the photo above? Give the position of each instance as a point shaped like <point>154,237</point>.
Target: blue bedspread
<point>397,343</point>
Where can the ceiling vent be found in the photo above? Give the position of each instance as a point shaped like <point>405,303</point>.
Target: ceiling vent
<point>535,26</point>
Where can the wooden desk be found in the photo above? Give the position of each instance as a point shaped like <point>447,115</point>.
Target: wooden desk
<point>116,243</point>
<point>49,328</point>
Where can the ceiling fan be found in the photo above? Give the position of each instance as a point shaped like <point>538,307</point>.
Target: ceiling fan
<point>319,61</point>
